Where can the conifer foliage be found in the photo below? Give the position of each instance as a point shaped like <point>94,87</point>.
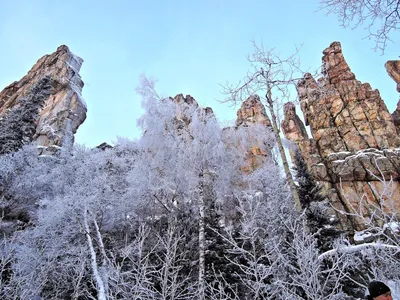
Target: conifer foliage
<point>307,187</point>
<point>319,221</point>
<point>18,126</point>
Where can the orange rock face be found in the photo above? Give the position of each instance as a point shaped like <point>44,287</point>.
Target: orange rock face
<point>252,116</point>
<point>354,144</point>
<point>393,69</point>
<point>65,109</point>
<point>252,111</point>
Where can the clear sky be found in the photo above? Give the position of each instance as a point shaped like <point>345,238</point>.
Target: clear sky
<point>190,46</point>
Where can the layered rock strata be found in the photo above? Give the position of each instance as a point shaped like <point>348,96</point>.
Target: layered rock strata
<point>64,111</point>
<point>353,151</point>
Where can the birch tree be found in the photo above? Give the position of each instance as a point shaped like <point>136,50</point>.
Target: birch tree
<point>62,253</point>
<point>274,76</point>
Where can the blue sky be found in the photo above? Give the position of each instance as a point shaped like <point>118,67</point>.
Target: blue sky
<point>189,46</point>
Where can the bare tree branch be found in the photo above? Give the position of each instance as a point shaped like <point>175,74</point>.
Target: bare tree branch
<point>381,18</point>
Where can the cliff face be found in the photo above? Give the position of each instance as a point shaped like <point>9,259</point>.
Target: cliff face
<point>354,142</point>
<point>65,109</point>
<point>393,69</point>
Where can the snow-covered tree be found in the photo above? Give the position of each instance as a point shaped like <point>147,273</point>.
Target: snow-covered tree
<point>188,163</point>
<point>169,216</point>
<point>273,76</point>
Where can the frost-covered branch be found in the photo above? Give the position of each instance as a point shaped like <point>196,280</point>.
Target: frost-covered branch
<point>380,18</point>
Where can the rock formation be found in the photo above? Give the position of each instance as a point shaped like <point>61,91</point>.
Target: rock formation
<point>393,69</point>
<point>187,103</point>
<point>252,116</point>
<point>252,111</point>
<point>64,111</point>
<point>354,144</point>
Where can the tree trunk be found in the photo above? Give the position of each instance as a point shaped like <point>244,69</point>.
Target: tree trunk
<point>285,163</point>
<point>103,268</point>
<point>201,242</point>
<point>99,281</point>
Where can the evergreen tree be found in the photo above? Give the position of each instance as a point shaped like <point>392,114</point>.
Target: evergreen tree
<point>319,221</point>
<point>307,188</point>
<point>218,257</point>
<point>19,125</point>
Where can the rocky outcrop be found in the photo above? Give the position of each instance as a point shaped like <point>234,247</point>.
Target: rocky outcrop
<point>292,126</point>
<point>252,116</point>
<point>393,69</point>
<point>353,149</point>
<point>64,111</point>
<point>252,111</point>
<point>185,105</point>
<point>104,146</point>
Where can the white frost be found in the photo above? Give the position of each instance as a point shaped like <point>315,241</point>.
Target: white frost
<point>355,248</point>
<point>360,236</point>
<point>394,226</point>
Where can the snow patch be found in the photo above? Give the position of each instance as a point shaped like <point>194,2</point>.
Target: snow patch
<point>341,154</point>
<point>393,226</point>
<point>360,236</point>
<point>46,156</point>
<point>338,161</point>
<point>77,92</point>
<point>73,67</point>
<point>355,248</point>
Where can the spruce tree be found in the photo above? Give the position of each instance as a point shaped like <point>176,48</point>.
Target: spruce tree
<point>217,265</point>
<point>19,125</point>
<point>319,221</point>
<point>307,187</point>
